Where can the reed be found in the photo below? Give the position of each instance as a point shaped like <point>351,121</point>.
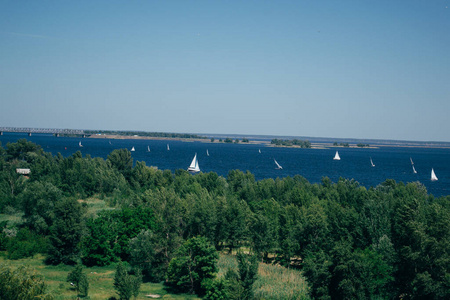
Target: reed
<point>277,282</point>
<point>273,282</point>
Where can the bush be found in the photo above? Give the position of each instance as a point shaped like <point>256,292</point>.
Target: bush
<point>25,244</point>
<point>21,283</point>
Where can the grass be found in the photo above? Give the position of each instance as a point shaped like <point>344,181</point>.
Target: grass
<point>273,282</point>
<point>12,219</point>
<point>277,282</point>
<point>100,281</point>
<point>95,205</point>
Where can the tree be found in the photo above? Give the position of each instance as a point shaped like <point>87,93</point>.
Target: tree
<point>65,233</point>
<point>125,284</point>
<point>79,280</point>
<point>121,160</point>
<point>194,262</point>
<point>38,201</point>
<point>21,149</point>
<point>316,265</point>
<point>248,271</point>
<point>142,253</point>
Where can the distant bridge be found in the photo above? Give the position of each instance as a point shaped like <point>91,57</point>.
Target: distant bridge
<point>41,130</point>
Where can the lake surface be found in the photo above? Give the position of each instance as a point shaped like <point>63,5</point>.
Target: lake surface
<point>313,164</point>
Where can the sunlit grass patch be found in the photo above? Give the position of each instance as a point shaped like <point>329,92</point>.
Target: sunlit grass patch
<point>100,279</point>
<point>12,219</point>
<point>94,205</point>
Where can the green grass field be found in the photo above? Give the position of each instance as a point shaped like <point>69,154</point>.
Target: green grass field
<point>274,282</point>
<point>100,281</point>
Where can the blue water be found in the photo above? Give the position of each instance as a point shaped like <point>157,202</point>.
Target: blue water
<point>313,164</point>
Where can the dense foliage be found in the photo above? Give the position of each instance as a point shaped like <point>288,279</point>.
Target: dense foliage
<point>21,283</point>
<point>388,241</point>
<point>294,142</point>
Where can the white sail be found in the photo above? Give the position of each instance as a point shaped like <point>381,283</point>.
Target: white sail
<point>259,150</point>
<point>148,148</point>
<point>168,148</point>
<point>371,162</point>
<point>207,153</point>
<point>336,157</point>
<point>433,175</point>
<point>132,149</point>
<point>412,164</point>
<point>79,144</point>
<point>194,165</point>
<point>278,165</point>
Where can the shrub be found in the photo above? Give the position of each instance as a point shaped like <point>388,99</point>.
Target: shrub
<point>21,283</point>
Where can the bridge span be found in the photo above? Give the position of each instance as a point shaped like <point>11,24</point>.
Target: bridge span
<point>30,131</point>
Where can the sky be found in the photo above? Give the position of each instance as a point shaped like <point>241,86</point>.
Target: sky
<point>343,69</point>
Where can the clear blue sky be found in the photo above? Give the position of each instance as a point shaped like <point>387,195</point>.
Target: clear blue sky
<point>349,69</point>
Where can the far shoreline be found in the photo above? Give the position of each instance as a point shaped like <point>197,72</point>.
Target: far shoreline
<point>314,145</point>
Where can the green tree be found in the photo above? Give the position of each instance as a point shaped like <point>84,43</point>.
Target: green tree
<point>248,271</point>
<point>194,262</point>
<point>79,280</point>
<point>125,284</point>
<point>65,233</point>
<point>38,202</point>
<point>142,253</point>
<point>170,219</point>
<point>21,149</point>
<point>216,289</point>
<point>316,265</point>
<point>121,160</point>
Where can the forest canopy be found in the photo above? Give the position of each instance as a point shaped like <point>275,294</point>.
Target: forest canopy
<point>385,242</point>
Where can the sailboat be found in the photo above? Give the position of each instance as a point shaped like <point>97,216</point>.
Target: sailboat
<point>278,165</point>
<point>148,148</point>
<point>336,157</point>
<point>433,175</point>
<point>79,144</point>
<point>259,150</point>
<point>412,164</point>
<point>194,165</point>
<point>168,148</point>
<point>371,162</point>
<point>110,142</point>
<point>132,149</point>
<point>207,153</point>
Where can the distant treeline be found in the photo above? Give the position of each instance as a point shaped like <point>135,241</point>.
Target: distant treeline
<point>144,133</point>
<point>386,242</point>
<point>360,145</point>
<point>294,142</point>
